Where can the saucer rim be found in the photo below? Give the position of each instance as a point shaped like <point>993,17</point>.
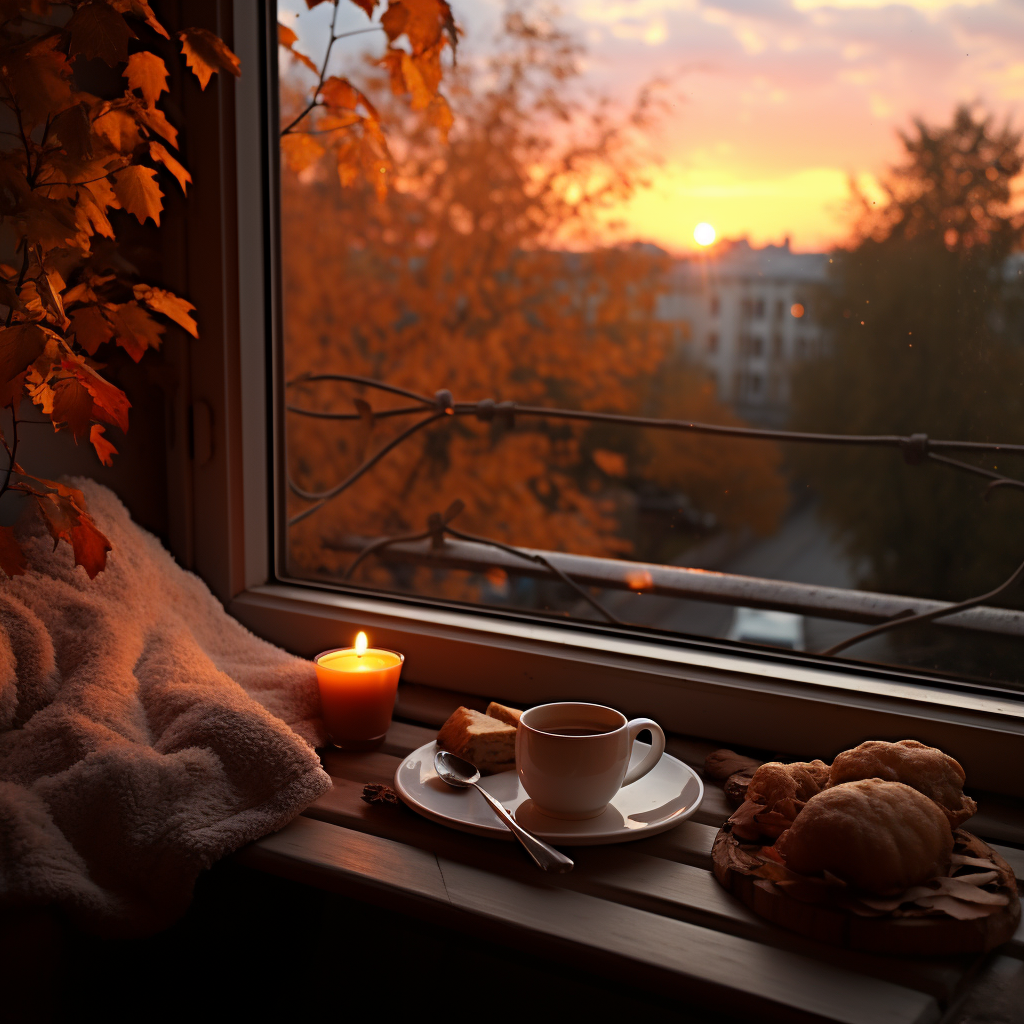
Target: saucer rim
<point>500,831</point>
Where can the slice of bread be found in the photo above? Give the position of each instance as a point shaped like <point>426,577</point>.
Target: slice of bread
<point>510,716</point>
<point>487,742</point>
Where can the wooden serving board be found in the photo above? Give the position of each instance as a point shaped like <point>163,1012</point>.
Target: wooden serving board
<point>939,935</point>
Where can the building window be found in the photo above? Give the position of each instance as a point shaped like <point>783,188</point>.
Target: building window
<point>713,342</point>
<point>759,308</point>
<point>776,346</point>
<point>715,305</point>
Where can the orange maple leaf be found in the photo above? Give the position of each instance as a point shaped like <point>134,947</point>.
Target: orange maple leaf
<point>340,93</point>
<point>118,128</point>
<point>64,512</point>
<point>20,346</point>
<point>90,546</point>
<point>91,328</point>
<point>147,73</point>
<point>421,21</point>
<point>141,9</point>
<point>205,54</point>
<point>110,403</point>
<point>160,153</point>
<point>12,558</point>
<point>172,306</point>
<point>98,31</point>
<point>72,406</point>
<point>38,79</point>
<point>134,329</point>
<point>137,191</point>
<point>415,83</point>
<point>287,38</point>
<point>104,449</point>
<point>153,118</point>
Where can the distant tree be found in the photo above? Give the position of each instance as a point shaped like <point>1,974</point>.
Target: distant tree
<point>740,483</point>
<point>922,310</point>
<point>480,270</point>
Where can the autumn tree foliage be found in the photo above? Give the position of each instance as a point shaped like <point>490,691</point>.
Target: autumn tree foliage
<point>741,483</point>
<point>67,159</point>
<point>480,270</point>
<point>336,120</point>
<point>924,313</point>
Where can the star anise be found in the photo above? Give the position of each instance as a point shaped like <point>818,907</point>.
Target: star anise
<point>378,793</point>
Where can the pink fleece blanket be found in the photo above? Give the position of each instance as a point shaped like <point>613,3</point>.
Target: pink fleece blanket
<point>143,732</point>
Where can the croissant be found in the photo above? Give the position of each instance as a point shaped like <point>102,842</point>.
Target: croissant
<point>776,781</point>
<point>879,836</point>
<point>775,796</point>
<point>927,769</point>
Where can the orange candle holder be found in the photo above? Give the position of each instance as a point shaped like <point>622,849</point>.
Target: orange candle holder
<point>357,694</point>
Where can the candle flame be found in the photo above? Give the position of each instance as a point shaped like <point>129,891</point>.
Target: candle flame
<point>360,644</point>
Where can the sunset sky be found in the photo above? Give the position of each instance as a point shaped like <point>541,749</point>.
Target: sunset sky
<point>774,104</point>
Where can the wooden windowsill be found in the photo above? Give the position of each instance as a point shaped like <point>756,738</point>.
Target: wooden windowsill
<point>645,913</point>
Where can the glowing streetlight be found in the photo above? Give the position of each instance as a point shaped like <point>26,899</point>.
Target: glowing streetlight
<point>704,234</point>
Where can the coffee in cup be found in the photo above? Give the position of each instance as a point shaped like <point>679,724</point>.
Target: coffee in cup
<point>572,758</point>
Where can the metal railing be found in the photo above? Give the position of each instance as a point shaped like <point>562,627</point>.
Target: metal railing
<point>681,582</point>
<point>442,544</point>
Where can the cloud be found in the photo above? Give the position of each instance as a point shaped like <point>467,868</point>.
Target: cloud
<point>782,91</point>
<point>927,6</point>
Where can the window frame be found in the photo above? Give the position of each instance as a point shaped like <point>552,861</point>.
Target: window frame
<point>792,705</point>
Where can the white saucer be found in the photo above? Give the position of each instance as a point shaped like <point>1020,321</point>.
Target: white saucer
<point>667,795</point>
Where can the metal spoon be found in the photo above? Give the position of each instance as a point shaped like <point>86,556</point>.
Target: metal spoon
<point>462,774</point>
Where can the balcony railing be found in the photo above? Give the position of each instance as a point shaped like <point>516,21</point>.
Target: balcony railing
<point>692,584</point>
<point>442,545</point>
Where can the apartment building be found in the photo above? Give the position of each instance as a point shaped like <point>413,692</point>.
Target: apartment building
<point>747,316</point>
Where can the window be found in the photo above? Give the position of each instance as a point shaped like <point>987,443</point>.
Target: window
<point>776,346</point>
<point>759,308</point>
<point>411,301</point>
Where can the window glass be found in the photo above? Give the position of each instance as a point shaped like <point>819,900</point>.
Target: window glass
<point>804,216</point>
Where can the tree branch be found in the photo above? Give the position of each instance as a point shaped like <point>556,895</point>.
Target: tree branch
<point>12,450</point>
<point>323,71</point>
<point>88,181</point>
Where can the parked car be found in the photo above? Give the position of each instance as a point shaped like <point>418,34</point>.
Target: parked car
<point>776,629</point>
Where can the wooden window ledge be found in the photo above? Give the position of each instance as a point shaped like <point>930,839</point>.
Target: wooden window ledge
<point>647,913</point>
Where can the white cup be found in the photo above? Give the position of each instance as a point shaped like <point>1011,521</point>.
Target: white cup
<point>574,776</point>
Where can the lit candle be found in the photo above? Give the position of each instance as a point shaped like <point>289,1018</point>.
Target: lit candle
<point>357,692</point>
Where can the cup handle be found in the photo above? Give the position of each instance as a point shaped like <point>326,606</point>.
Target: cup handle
<point>636,727</point>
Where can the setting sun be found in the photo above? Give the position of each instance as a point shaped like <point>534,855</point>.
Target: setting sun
<point>704,233</point>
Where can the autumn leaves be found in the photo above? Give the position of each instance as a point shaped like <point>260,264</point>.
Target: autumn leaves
<point>340,120</point>
<point>69,157</point>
